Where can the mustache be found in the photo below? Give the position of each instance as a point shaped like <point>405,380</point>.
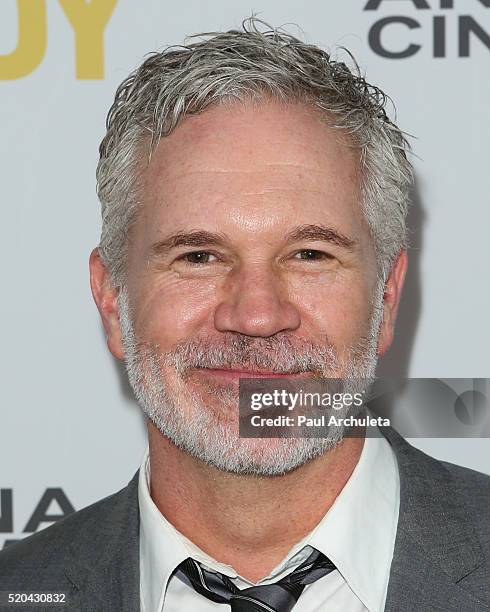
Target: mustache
<point>282,354</point>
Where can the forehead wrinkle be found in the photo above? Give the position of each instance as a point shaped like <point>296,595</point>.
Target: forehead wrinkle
<point>262,168</point>
<point>283,189</point>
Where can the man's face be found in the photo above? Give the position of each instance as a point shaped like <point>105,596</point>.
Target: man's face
<point>250,257</point>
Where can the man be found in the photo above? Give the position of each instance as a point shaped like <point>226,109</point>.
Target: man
<point>254,195</point>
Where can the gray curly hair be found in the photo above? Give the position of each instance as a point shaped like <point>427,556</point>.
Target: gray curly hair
<point>251,63</point>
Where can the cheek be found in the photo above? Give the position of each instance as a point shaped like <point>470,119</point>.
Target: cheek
<point>336,306</point>
<point>170,310</point>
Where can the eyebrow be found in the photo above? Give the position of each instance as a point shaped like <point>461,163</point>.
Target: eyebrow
<point>201,238</point>
<point>197,238</point>
<point>321,233</point>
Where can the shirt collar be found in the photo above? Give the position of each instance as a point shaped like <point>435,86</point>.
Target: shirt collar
<point>357,533</point>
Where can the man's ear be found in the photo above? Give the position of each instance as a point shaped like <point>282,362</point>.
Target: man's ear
<point>391,299</point>
<point>105,296</point>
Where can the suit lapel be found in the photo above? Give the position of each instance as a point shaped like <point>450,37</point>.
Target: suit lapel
<point>436,545</point>
<point>104,570</point>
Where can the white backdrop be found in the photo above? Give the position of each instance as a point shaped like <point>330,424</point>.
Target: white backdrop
<point>68,424</point>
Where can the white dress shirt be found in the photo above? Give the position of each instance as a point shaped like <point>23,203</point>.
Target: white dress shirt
<point>357,534</point>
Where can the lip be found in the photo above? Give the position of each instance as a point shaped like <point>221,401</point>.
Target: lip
<point>236,374</point>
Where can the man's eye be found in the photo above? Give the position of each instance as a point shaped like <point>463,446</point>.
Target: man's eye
<point>312,255</point>
<point>198,257</point>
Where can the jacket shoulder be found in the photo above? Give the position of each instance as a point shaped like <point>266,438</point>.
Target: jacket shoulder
<point>468,477</point>
<point>474,487</point>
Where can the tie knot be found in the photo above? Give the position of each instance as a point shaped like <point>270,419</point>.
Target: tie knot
<point>280,596</point>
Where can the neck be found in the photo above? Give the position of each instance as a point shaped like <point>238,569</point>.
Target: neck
<point>247,522</point>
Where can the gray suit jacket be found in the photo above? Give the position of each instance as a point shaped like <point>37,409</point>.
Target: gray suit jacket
<point>441,560</point>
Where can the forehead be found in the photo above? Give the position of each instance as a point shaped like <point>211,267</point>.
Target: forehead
<point>250,159</point>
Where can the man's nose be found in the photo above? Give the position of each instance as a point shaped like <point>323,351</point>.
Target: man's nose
<point>254,301</point>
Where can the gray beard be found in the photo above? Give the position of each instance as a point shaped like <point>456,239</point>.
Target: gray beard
<point>206,427</point>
